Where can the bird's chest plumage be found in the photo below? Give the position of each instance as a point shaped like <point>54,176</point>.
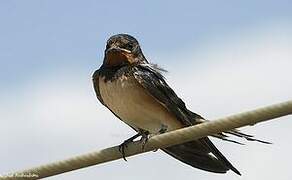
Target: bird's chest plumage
<point>135,106</point>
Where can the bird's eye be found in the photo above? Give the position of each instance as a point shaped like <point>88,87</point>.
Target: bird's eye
<point>107,46</point>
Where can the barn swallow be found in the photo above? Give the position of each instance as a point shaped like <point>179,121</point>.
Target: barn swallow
<point>136,92</point>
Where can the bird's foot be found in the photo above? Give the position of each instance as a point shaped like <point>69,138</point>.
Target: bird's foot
<point>144,139</point>
<point>122,149</point>
<point>163,129</point>
<point>125,145</point>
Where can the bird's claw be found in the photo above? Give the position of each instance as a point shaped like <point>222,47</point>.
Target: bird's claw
<point>122,149</point>
<point>144,138</point>
<point>125,145</point>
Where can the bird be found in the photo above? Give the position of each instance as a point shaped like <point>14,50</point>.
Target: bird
<point>137,93</point>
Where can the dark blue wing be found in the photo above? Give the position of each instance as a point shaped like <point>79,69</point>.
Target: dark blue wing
<point>194,153</point>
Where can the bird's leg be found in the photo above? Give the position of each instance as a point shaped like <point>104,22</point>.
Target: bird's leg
<point>163,129</point>
<point>125,144</point>
<point>144,138</point>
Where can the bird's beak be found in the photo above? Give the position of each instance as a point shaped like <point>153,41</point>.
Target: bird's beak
<point>117,49</point>
<point>116,56</point>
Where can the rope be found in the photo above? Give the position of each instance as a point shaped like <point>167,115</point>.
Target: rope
<point>156,142</point>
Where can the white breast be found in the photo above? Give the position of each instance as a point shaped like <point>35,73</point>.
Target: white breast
<point>135,106</point>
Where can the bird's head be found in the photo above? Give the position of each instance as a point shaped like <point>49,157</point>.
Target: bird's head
<point>122,49</point>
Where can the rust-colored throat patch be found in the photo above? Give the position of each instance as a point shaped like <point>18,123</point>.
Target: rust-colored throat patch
<point>118,57</point>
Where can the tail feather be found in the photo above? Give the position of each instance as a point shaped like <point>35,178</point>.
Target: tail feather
<point>248,137</point>
<point>234,132</point>
<point>220,156</point>
<point>201,154</point>
<point>224,138</point>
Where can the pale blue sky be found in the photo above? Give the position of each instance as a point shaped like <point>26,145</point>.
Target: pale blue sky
<point>223,56</point>
<point>48,35</point>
